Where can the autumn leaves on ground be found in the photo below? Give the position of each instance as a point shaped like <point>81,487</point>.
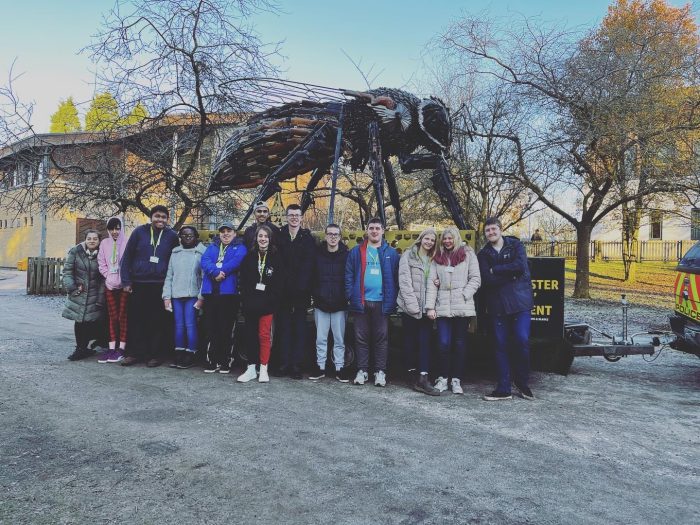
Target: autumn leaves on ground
<point>654,286</point>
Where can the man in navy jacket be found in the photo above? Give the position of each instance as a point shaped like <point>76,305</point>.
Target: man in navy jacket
<point>143,270</point>
<point>507,292</point>
<point>371,286</point>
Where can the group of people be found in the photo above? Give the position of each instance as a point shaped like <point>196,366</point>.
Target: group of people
<point>277,273</point>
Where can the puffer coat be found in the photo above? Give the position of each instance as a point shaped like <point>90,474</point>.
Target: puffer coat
<point>412,283</point>
<point>455,295</point>
<point>82,269</point>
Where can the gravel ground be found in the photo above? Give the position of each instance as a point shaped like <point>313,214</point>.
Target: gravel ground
<point>89,443</point>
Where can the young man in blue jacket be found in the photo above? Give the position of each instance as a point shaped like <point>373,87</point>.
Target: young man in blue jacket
<point>143,270</point>
<point>371,286</point>
<point>507,292</point>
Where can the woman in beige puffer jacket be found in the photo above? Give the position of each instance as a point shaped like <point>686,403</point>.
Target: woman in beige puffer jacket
<point>453,280</point>
<point>414,269</point>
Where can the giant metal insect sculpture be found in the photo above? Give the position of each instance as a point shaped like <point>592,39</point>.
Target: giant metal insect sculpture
<point>305,128</point>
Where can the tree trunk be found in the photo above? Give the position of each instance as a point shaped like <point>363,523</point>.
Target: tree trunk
<point>631,220</point>
<point>583,261</point>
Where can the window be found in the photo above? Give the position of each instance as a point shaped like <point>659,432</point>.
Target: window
<point>695,224</point>
<point>655,223</point>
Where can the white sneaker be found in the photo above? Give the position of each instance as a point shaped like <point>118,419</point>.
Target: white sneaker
<point>457,386</point>
<point>379,378</point>
<point>361,377</point>
<point>441,384</point>
<point>248,375</point>
<point>264,377</point>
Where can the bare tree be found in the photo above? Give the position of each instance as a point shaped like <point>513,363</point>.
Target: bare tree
<point>578,106</point>
<point>170,56</point>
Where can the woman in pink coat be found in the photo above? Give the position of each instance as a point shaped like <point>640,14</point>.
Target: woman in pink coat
<point>109,260</point>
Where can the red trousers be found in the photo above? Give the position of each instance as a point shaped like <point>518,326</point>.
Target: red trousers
<point>259,335</point>
<point>116,310</point>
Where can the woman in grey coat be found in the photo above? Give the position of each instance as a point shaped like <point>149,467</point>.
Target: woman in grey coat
<point>85,287</point>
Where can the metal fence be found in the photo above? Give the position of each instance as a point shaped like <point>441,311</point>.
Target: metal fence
<point>44,276</point>
<point>649,251</point>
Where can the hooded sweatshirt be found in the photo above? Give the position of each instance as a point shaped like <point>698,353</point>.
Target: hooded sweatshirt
<point>184,277</point>
<point>110,256</point>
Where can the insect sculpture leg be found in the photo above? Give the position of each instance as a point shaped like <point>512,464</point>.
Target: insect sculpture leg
<point>393,191</point>
<point>307,195</point>
<point>375,165</point>
<point>442,183</point>
<point>318,140</point>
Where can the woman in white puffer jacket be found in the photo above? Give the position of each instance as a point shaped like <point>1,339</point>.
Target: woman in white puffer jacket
<point>454,279</point>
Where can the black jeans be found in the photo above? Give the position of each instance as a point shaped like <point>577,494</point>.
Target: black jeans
<point>291,329</point>
<point>371,330</point>
<point>417,335</point>
<point>220,313</point>
<point>148,322</point>
<point>86,332</point>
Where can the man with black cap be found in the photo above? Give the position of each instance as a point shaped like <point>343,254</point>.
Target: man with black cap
<point>262,216</point>
<point>220,263</point>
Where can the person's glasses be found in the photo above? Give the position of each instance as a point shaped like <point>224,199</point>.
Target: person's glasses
<point>332,235</point>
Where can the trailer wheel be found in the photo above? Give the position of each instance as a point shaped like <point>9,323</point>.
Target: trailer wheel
<point>612,358</point>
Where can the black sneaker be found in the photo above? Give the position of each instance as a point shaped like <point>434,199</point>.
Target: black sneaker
<point>224,369</point>
<point>211,368</point>
<point>317,373</point>
<point>187,360</point>
<point>343,375</point>
<point>526,393</point>
<point>422,384</point>
<point>80,353</point>
<point>176,361</point>
<point>497,396</point>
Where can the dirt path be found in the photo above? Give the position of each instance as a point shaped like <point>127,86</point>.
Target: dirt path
<point>90,443</point>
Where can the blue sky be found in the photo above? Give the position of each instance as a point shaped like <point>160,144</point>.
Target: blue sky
<point>44,36</point>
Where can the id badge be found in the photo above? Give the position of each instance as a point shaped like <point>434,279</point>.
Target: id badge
<point>154,259</point>
<point>374,271</point>
<point>219,265</point>
<point>114,270</point>
<point>450,269</point>
<point>260,286</point>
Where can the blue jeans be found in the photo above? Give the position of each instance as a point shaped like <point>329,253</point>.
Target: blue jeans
<point>452,345</point>
<point>185,323</point>
<point>416,342</point>
<point>514,329</point>
<point>291,329</point>
<point>335,322</point>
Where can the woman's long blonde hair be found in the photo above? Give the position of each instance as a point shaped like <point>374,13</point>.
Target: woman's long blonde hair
<point>418,242</point>
<point>457,255</point>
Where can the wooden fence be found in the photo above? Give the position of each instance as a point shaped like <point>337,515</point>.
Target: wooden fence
<point>649,251</point>
<point>44,276</point>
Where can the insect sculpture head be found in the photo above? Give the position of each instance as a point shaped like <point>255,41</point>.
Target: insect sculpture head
<point>435,122</point>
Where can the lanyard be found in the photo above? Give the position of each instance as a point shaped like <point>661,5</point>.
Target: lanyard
<point>372,258</point>
<point>153,243</point>
<point>114,253</point>
<point>261,265</point>
<point>222,252</point>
